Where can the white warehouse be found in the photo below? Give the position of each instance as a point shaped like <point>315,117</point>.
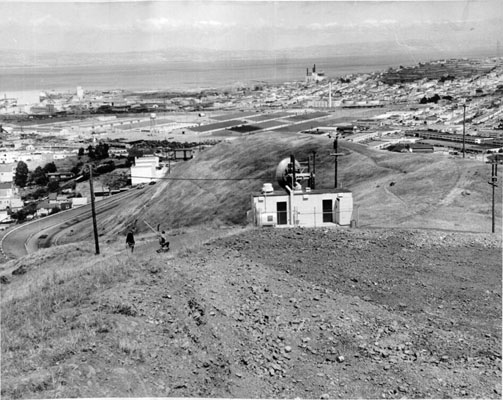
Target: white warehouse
<point>147,169</point>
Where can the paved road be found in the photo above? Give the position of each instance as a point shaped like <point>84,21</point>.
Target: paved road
<point>29,237</point>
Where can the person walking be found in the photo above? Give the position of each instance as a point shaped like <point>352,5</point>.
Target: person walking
<point>163,241</point>
<point>130,240</point>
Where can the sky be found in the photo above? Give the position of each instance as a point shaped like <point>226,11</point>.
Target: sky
<point>114,26</point>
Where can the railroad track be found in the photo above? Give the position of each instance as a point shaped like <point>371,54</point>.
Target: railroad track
<point>45,232</point>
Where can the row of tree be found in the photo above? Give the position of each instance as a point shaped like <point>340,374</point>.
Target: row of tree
<point>39,176</point>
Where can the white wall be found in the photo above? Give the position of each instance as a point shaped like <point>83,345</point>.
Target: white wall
<point>307,209</point>
<point>142,174</point>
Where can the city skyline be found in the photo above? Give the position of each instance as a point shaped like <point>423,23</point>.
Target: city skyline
<point>110,27</point>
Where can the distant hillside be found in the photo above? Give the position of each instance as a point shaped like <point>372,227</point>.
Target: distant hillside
<point>441,70</point>
<point>389,189</point>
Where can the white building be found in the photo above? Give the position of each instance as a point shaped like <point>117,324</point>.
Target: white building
<point>7,172</point>
<point>147,169</point>
<point>305,208</point>
<point>297,204</point>
<point>9,197</point>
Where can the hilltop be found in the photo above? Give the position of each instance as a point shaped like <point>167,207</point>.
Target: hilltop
<point>281,313</point>
<point>386,310</point>
<point>389,189</point>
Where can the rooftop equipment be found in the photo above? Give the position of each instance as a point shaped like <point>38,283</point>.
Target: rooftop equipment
<point>267,188</point>
<point>290,174</point>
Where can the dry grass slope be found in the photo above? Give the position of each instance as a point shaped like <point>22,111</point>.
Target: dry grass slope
<point>390,189</point>
<point>215,320</point>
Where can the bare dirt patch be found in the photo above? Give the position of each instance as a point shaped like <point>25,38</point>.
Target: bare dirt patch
<point>310,313</point>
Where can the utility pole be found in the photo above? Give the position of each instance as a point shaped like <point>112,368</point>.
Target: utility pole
<point>493,183</point>
<point>93,211</point>
<point>464,117</point>
<point>336,154</point>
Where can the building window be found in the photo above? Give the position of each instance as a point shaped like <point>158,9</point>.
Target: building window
<point>328,214</point>
<point>282,213</point>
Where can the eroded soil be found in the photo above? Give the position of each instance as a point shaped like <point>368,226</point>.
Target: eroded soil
<point>285,313</point>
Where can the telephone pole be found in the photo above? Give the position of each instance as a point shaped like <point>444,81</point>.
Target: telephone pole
<point>336,154</point>
<point>464,117</point>
<point>93,211</point>
<point>493,183</point>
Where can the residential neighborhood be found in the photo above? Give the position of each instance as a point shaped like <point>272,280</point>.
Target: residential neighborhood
<point>450,107</point>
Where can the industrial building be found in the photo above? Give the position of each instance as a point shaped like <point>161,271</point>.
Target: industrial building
<point>146,170</point>
<point>299,204</point>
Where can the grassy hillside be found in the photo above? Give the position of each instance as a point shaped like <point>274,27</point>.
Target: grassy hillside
<point>268,313</point>
<point>389,189</point>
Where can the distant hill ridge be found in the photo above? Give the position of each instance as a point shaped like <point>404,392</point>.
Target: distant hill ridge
<point>453,68</point>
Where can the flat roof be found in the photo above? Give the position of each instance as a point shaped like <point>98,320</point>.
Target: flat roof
<point>303,117</point>
<point>282,192</point>
<point>301,126</point>
<point>216,125</point>
<point>457,145</point>
<point>242,114</point>
<point>270,124</point>
<point>267,117</point>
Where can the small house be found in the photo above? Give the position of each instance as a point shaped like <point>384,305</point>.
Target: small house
<point>45,208</point>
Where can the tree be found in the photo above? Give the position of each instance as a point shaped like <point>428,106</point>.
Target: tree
<point>77,168</point>
<point>135,152</point>
<point>101,150</point>
<point>90,152</point>
<point>50,168</point>
<point>53,187</point>
<point>107,166</point>
<point>38,177</point>
<point>115,181</point>
<point>81,152</point>
<point>21,176</point>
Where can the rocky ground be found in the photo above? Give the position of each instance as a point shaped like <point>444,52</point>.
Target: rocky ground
<point>286,313</point>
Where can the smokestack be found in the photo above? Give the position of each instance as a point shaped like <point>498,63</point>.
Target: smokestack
<point>314,68</point>
<point>307,71</point>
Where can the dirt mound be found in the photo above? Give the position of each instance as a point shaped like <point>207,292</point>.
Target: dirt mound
<point>309,313</point>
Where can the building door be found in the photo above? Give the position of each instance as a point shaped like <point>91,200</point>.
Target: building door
<point>282,213</point>
<point>328,212</point>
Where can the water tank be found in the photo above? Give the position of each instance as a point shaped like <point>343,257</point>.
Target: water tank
<point>152,116</point>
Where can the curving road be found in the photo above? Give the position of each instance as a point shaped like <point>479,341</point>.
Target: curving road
<point>29,237</point>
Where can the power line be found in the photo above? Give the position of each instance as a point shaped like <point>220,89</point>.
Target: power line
<point>197,179</point>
